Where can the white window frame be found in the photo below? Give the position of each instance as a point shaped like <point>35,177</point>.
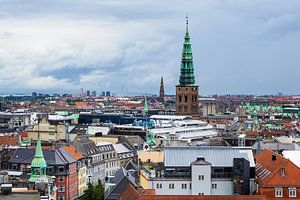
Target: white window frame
<point>201,177</point>
<point>214,186</point>
<point>292,192</point>
<point>278,192</point>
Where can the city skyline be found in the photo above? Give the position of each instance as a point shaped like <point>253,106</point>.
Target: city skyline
<point>247,47</point>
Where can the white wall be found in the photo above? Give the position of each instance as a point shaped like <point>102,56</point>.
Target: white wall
<point>178,190</point>
<point>224,187</point>
<point>201,186</point>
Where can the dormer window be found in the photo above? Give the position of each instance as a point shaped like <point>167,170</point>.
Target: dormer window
<point>282,171</point>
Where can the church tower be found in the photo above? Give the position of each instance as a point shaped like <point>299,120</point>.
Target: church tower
<point>186,90</point>
<point>162,90</point>
<point>38,179</point>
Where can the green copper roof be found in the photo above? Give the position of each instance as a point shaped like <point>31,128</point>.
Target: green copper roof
<point>187,68</point>
<point>38,160</point>
<point>38,164</point>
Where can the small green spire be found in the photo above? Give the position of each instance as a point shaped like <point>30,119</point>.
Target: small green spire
<point>145,105</point>
<point>38,164</point>
<point>187,67</point>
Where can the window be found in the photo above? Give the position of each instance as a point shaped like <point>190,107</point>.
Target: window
<point>61,188</point>
<point>183,185</point>
<point>14,166</point>
<point>214,186</point>
<point>171,186</point>
<point>201,177</point>
<point>50,169</point>
<point>292,192</point>
<point>61,169</point>
<point>185,108</point>
<point>61,178</point>
<point>61,197</point>
<point>185,98</point>
<point>180,108</point>
<point>201,193</point>
<point>278,192</point>
<point>159,185</point>
<point>179,98</point>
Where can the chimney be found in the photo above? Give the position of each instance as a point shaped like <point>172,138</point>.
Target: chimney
<point>200,158</point>
<point>273,157</point>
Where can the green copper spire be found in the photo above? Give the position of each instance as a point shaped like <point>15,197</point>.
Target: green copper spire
<point>38,164</point>
<point>187,68</point>
<point>145,105</point>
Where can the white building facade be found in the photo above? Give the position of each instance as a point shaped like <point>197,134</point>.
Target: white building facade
<point>203,171</point>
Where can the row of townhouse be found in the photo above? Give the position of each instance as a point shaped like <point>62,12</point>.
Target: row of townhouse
<point>63,164</point>
<point>101,160</point>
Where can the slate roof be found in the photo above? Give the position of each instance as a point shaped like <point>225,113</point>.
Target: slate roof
<point>121,180</point>
<point>52,157</point>
<point>79,129</point>
<point>217,156</point>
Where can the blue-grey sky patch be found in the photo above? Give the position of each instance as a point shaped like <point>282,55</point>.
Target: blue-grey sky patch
<point>239,47</point>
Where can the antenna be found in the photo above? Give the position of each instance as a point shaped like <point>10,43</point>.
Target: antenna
<point>187,22</point>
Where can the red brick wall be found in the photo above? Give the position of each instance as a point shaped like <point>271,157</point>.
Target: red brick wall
<point>73,181</point>
<point>61,183</point>
<point>270,192</point>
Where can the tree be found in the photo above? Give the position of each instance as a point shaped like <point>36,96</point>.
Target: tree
<point>93,192</point>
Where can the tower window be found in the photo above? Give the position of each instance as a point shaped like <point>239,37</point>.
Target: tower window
<point>185,108</point>
<point>185,98</point>
<point>179,98</point>
<point>180,108</point>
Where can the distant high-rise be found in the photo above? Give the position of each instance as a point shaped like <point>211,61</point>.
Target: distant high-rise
<point>162,90</point>
<point>102,93</point>
<point>186,90</point>
<point>94,93</point>
<point>88,93</point>
<point>107,93</point>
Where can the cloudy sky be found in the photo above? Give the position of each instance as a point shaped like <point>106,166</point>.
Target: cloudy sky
<point>239,46</point>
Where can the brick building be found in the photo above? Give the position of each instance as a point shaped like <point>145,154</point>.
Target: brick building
<point>276,176</point>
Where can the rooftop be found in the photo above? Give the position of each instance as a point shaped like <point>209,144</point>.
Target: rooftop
<point>217,156</point>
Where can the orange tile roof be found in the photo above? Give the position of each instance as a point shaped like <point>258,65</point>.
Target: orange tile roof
<point>268,170</point>
<point>8,140</point>
<point>203,197</point>
<point>130,193</point>
<point>80,104</point>
<point>72,150</point>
